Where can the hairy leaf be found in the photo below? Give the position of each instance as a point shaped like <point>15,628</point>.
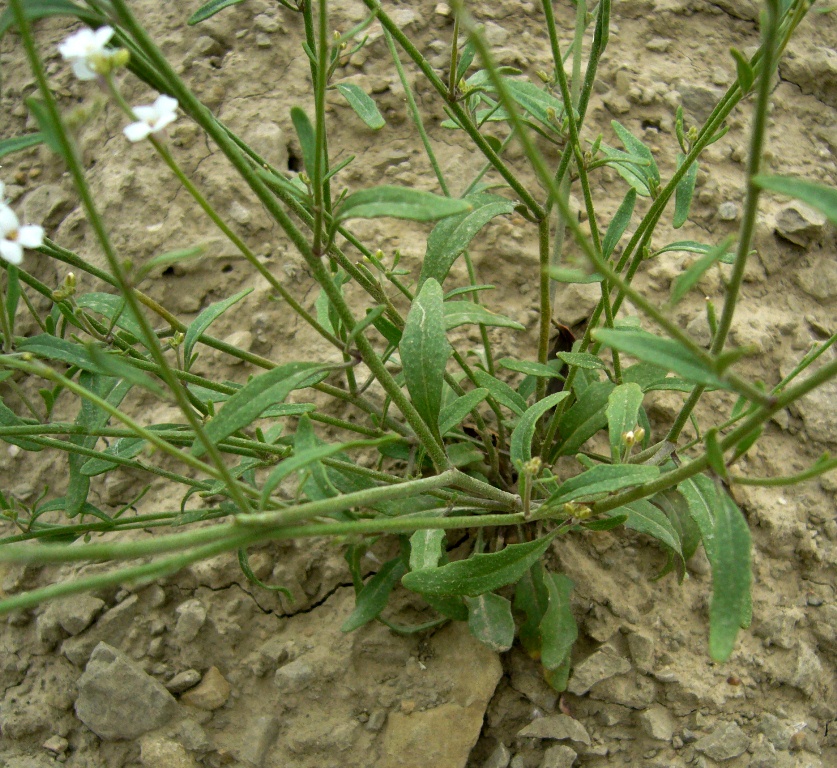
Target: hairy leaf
<point>363,105</point>
<point>521,439</point>
<point>622,411</point>
<point>399,203</point>
<point>490,621</point>
<point>372,599</point>
<point>603,478</point>
<point>205,319</point>
<point>452,414</point>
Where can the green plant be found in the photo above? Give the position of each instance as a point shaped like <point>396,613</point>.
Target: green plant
<point>457,446</point>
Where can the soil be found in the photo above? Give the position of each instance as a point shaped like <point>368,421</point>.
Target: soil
<point>278,684</point>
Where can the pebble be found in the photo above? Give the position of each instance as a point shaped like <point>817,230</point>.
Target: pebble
<point>294,677</point>
<point>556,727</point>
<point>183,681</point>
<point>56,744</point>
<point>641,648</point>
<point>47,205</point>
<point>256,739</point>
<point>724,743</point>
<point>800,224</point>
<point>657,723</point>
<point>191,616</point>
<point>808,671</point>
<point>820,280</point>
<point>559,756</point>
<point>118,700</point>
<point>499,758</point>
<point>729,211</point>
<point>158,752</point>
<point>212,692</point>
<point>442,9</point>
<point>699,100</point>
<point>601,665</point>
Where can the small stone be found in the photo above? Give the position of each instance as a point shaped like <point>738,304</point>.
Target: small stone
<point>808,672</point>
<point>442,9</point>
<point>294,677</point>
<point>658,44</point>
<point>256,739</point>
<point>601,665</point>
<point>56,744</point>
<point>157,752</point>
<point>499,758</point>
<point>729,211</point>
<point>559,756</point>
<point>212,692</point>
<point>724,743</point>
<point>641,648</point>
<point>184,680</point>
<point>240,339</point>
<point>376,720</point>
<point>800,224</point>
<point>48,206</point>
<point>556,727</point>
<point>191,616</point>
<point>657,723</point>
<point>192,736</point>
<point>240,214</point>
<point>118,700</point>
<point>699,100</point>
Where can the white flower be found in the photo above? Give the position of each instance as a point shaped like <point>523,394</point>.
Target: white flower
<point>86,51</point>
<point>152,119</point>
<point>14,238</point>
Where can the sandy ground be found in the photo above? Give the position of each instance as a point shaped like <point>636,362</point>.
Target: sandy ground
<point>278,685</point>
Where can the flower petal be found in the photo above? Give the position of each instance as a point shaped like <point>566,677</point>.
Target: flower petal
<point>102,36</point>
<point>164,104</point>
<point>162,121</point>
<point>8,221</point>
<point>11,252</point>
<point>146,114</point>
<point>136,131</point>
<point>31,236</point>
<point>82,70</point>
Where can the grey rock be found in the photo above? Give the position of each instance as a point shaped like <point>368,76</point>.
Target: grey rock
<point>77,613</point>
<point>559,756</point>
<point>800,224</point>
<point>191,616</point>
<point>729,211</point>
<point>499,758</point>
<point>699,100</point>
<point>58,745</point>
<point>641,648</point>
<point>47,206</point>
<point>192,736</point>
<point>657,723</point>
<point>529,681</point>
<point>118,700</point>
<point>159,752</point>
<point>813,70</point>
<point>819,280</point>
<point>376,720</point>
<point>294,677</point>
<point>776,731</point>
<point>724,743</point>
<point>741,9</point>
<point>212,692</point>
<point>256,739</point>
<point>111,627</point>
<point>183,681</point>
<point>24,761</point>
<point>557,727</point>
<point>765,755</point>
<point>808,671</point>
<point>819,413</point>
<point>601,665</point>
<point>633,691</point>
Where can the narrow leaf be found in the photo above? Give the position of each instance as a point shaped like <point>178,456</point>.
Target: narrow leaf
<point>424,352</point>
<point>744,70</point>
<point>622,412</point>
<point>665,353</point>
<point>305,134</point>
<point>206,318</point>
<point>17,143</point>
<point>426,548</point>
<point>585,418</point>
<point>524,432</point>
<point>644,517</point>
<point>399,203</point>
<point>363,105</point>
<point>634,146</point>
<point>467,313</point>
<point>567,275</point>
<point>603,478</point>
<point>619,224</point>
<point>532,598</point>
<point>683,283</point>
<point>479,573</point>
<point>684,192</point>
<point>452,414</point>
<point>39,9</point>
<point>49,130</point>
<point>822,198</point>
<point>490,621</point>
<point>374,596</point>
<point>168,259</point>
<point>558,628</point>
<point>529,367</point>
<point>500,391</point>
<point>207,10</point>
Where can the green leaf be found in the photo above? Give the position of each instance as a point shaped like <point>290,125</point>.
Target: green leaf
<point>684,192</point>
<point>532,598</point>
<point>731,578</point>
<point>524,432</point>
<point>399,203</point>
<point>424,350</point>
<point>120,368</point>
<point>452,414</point>
<point>701,496</point>
<point>50,131</point>
<point>644,517</point>
<point>12,294</point>
<point>567,275</point>
<point>373,598</point>
<point>262,391</point>
<point>39,9</point>
<point>207,10</point>
<point>690,246</point>
<point>123,448</point>
<point>622,412</point>
<point>676,509</point>
<point>603,478</point>
<point>558,628</point>
<point>244,564</point>
<point>585,418</point>
<point>307,140</point>
<point>8,418</point>
<point>666,353</point>
<point>363,105</point>
<point>536,101</point>
<point>208,316</point>
<point>500,391</point>
<point>619,224</point>
<point>581,360</point>
<point>466,312</point>
<point>168,259</point>
<point>17,143</point>
<point>714,453</point>
<point>744,70</point>
<point>823,198</point>
<point>52,348</point>
<point>529,367</point>
<point>479,573</point>
<point>490,621</point>
<point>426,547</point>
<point>112,307</point>
<point>635,147</point>
<point>683,283</point>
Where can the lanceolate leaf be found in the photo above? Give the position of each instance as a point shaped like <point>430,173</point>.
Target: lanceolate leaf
<point>38,9</point>
<point>532,597</point>
<point>603,478</point>
<point>702,498</point>
<point>424,352</point>
<point>399,203</point>
<point>500,391</point>
<point>622,412</point>
<point>255,397</point>
<point>451,236</point>
<point>684,192</point>
<point>362,104</point>
<point>16,143</point>
<point>452,414</point>
<point>205,319</point>
<point>619,224</point>
<point>644,517</point>
<point>467,313</point>
<point>479,573</point>
<point>305,134</point>
<point>633,145</point>
<point>373,598</point>
<point>665,353</point>
<point>207,10</point>
<point>683,283</point>
<point>490,621</point>
<point>585,418</point>
<point>524,432</point>
<point>558,628</point>
<point>426,548</point>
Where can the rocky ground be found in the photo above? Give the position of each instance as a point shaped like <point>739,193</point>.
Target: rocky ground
<point>204,668</point>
